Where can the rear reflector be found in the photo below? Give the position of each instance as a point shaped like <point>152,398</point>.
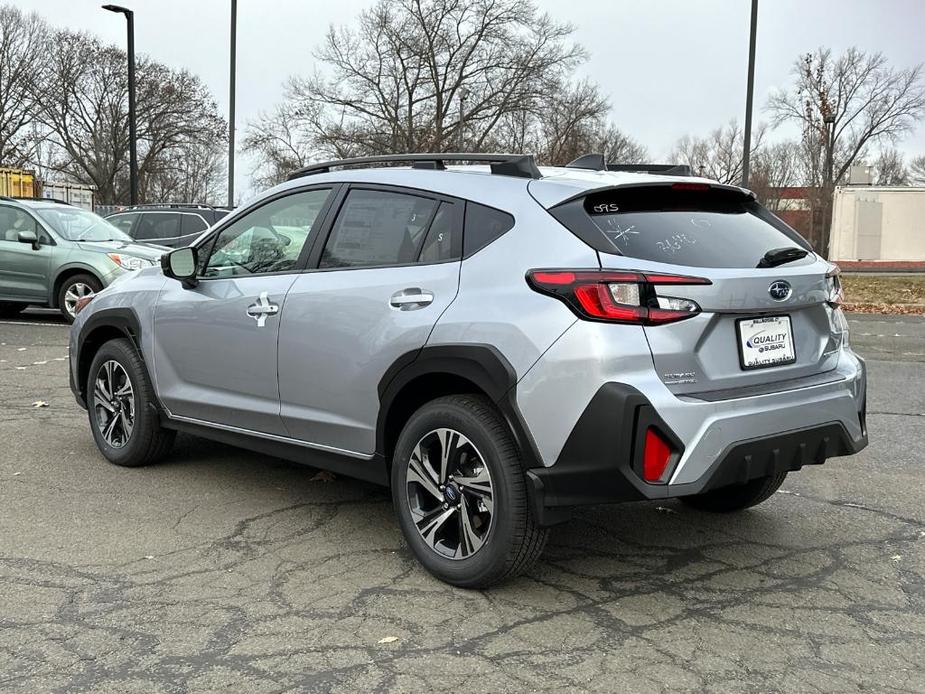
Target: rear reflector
<point>655,456</point>
<point>617,296</point>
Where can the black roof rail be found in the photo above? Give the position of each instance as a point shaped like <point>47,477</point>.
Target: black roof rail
<point>597,162</point>
<point>38,199</point>
<point>172,205</point>
<point>521,165</point>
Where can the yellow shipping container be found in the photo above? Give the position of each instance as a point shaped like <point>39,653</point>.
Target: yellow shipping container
<point>17,183</point>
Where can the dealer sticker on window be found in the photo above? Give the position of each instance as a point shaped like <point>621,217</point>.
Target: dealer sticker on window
<point>766,341</point>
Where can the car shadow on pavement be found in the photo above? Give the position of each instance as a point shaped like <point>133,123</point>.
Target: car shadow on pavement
<point>790,542</point>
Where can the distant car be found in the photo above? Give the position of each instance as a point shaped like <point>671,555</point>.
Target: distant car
<point>54,254</point>
<point>172,225</point>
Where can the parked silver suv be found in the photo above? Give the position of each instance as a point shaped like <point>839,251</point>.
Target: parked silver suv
<point>500,344</point>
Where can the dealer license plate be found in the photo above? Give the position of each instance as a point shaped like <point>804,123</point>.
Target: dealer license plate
<point>766,341</point>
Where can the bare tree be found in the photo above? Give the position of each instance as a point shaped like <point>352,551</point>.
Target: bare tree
<point>564,126</point>
<point>775,168</point>
<point>868,100</point>
<point>193,173</point>
<point>917,170</point>
<point>843,104</point>
<point>719,154</point>
<point>83,103</point>
<point>280,142</point>
<point>22,39</point>
<point>890,168</point>
<point>570,122</point>
<point>618,147</point>
<point>433,75</point>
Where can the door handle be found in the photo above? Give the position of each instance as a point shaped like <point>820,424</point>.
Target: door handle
<point>411,299</point>
<point>263,308</point>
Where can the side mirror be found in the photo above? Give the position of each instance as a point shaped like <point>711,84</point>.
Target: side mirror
<point>181,265</point>
<point>30,238</point>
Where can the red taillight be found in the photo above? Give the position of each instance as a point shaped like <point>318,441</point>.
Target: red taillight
<point>652,278</point>
<point>655,456</point>
<point>702,187</point>
<point>597,301</point>
<point>617,296</point>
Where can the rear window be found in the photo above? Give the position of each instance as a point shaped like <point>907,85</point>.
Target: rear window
<point>714,228</point>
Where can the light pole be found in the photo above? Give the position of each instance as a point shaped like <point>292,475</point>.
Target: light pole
<point>828,180</point>
<point>233,60</point>
<point>747,138</point>
<point>132,136</point>
<point>829,120</point>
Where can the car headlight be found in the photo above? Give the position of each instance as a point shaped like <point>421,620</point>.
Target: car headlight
<point>129,262</point>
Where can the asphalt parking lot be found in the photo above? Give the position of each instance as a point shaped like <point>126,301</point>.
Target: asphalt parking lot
<point>223,570</point>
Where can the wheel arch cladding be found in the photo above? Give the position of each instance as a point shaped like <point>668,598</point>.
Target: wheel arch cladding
<point>101,327</point>
<point>423,375</point>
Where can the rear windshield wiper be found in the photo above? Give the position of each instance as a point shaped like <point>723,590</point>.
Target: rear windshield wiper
<point>780,256</point>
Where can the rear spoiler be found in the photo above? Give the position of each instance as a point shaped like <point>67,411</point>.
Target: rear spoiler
<point>598,162</point>
<point>676,185</point>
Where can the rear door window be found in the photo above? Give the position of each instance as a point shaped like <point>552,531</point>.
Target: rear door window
<point>157,225</point>
<point>376,228</point>
<point>715,228</point>
<point>442,241</point>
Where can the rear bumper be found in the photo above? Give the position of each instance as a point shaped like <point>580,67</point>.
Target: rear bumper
<point>591,449</point>
<point>602,460</point>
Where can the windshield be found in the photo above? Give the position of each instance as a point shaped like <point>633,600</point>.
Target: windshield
<point>75,224</point>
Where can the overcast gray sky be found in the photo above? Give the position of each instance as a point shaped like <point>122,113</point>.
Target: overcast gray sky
<point>669,67</point>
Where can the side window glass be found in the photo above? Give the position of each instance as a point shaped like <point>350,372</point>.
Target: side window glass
<point>269,239</point>
<point>13,221</point>
<point>157,225</point>
<point>377,228</point>
<point>123,222</point>
<point>440,243</point>
<point>484,225</point>
<point>192,224</point>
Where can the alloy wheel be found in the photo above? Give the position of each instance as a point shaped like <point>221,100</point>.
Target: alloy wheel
<point>114,403</point>
<point>76,291</point>
<point>450,494</point>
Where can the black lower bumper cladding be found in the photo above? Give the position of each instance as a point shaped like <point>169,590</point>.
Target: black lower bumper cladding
<point>602,457</point>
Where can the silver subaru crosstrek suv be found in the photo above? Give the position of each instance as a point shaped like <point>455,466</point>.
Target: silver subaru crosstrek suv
<point>498,343</point>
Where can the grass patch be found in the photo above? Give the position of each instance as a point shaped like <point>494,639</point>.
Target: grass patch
<point>884,289</point>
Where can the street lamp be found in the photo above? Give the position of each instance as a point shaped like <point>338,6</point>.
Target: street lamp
<point>133,150</point>
<point>749,92</point>
<point>828,119</point>
<point>231,90</point>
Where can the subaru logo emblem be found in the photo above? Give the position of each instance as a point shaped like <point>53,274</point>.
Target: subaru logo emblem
<point>780,290</point>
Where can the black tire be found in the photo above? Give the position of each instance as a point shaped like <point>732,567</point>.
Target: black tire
<point>513,540</point>
<point>10,309</point>
<point>738,497</point>
<point>86,280</point>
<point>148,442</point>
